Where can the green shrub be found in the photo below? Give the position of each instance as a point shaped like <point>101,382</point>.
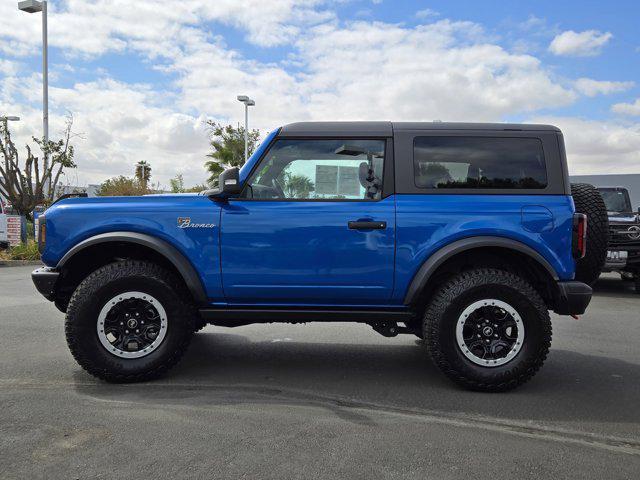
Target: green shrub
<point>26,251</point>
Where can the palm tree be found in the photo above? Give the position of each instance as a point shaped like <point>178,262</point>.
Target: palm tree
<point>227,143</point>
<point>143,173</point>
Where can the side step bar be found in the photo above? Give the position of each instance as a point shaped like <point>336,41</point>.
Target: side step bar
<point>288,315</point>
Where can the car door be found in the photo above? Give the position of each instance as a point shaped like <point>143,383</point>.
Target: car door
<point>315,225</point>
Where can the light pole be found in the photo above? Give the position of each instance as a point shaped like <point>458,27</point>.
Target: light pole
<point>34,6</point>
<point>247,103</point>
<point>143,166</point>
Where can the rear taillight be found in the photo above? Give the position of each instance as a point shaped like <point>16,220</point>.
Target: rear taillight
<point>579,240</point>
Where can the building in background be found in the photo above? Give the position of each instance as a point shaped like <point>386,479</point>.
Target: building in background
<point>631,181</point>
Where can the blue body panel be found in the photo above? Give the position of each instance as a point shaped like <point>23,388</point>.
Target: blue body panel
<point>299,252</point>
<point>426,223</point>
<point>76,219</point>
<point>302,253</point>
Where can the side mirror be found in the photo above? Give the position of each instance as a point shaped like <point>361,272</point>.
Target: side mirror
<point>228,183</point>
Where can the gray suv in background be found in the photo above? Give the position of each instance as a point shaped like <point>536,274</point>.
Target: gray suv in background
<point>623,253</point>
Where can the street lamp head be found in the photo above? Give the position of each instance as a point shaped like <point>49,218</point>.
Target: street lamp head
<point>30,6</point>
<point>10,118</point>
<point>246,100</point>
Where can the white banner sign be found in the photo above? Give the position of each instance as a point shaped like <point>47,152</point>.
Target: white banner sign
<point>14,229</point>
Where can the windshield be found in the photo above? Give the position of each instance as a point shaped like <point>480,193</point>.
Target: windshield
<point>616,200</point>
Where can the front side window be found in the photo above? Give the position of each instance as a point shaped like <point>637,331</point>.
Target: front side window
<point>479,162</point>
<point>324,169</point>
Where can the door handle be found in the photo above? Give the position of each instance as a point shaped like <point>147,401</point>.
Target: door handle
<point>367,225</point>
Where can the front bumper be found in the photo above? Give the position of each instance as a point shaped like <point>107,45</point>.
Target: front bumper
<point>45,278</point>
<point>573,298</point>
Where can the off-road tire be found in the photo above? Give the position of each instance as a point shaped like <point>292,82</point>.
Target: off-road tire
<point>588,200</point>
<point>105,283</point>
<point>458,293</point>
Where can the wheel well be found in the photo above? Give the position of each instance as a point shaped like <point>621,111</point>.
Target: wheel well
<point>89,259</point>
<point>501,258</point>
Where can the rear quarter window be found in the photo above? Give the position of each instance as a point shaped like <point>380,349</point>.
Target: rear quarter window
<point>479,163</point>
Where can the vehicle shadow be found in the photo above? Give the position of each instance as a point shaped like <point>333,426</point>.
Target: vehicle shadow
<point>225,368</point>
<point>610,285</point>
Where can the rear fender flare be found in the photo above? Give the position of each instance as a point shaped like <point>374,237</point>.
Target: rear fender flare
<point>422,276</point>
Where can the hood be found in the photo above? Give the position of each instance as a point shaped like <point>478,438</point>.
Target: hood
<point>623,217</point>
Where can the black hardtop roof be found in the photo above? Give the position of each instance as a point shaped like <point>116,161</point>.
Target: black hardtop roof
<point>386,129</point>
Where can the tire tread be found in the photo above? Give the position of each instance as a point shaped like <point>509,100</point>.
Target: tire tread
<point>457,285</point>
<point>106,274</point>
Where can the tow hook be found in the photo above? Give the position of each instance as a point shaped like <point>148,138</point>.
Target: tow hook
<point>575,317</point>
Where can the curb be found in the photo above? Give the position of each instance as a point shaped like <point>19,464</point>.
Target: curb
<point>19,263</point>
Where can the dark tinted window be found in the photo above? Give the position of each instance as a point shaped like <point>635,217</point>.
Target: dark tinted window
<point>479,162</point>
<point>616,200</point>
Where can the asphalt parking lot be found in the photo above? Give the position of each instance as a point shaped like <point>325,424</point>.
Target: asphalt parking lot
<point>318,401</point>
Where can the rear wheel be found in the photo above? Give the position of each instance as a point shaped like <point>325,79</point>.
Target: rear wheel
<point>588,200</point>
<point>128,321</point>
<point>487,330</point>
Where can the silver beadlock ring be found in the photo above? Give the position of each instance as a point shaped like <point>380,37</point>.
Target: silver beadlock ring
<point>464,345</point>
<point>115,301</point>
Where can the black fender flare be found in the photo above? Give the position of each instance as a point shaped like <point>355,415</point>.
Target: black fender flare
<point>430,265</point>
<point>177,259</point>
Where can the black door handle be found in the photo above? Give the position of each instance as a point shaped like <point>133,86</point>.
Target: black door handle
<point>366,225</point>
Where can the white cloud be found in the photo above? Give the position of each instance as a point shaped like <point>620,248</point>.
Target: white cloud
<point>119,124</point>
<point>579,44</point>
<point>358,70</point>
<point>97,27</point>
<point>627,108</point>
<point>591,88</point>
<point>426,14</point>
<point>442,70</point>
<point>595,147</point>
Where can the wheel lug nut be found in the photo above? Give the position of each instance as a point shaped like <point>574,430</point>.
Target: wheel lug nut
<point>121,323</point>
<point>126,331</point>
<point>496,335</point>
<point>138,331</point>
<point>487,340</point>
<point>478,335</point>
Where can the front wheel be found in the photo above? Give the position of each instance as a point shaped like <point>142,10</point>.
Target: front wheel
<point>487,330</point>
<point>128,321</point>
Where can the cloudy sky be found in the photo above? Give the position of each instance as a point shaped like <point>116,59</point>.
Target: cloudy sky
<point>142,76</point>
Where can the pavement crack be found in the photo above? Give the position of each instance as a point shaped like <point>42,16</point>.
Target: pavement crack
<point>349,409</point>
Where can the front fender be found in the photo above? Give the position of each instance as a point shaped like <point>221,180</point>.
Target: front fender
<point>177,259</point>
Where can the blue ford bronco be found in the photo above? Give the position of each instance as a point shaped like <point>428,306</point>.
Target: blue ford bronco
<point>465,235</point>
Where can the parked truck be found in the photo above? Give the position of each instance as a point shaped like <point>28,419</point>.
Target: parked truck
<point>623,253</point>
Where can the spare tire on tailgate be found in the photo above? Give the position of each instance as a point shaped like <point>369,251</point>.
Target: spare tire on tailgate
<point>588,200</point>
